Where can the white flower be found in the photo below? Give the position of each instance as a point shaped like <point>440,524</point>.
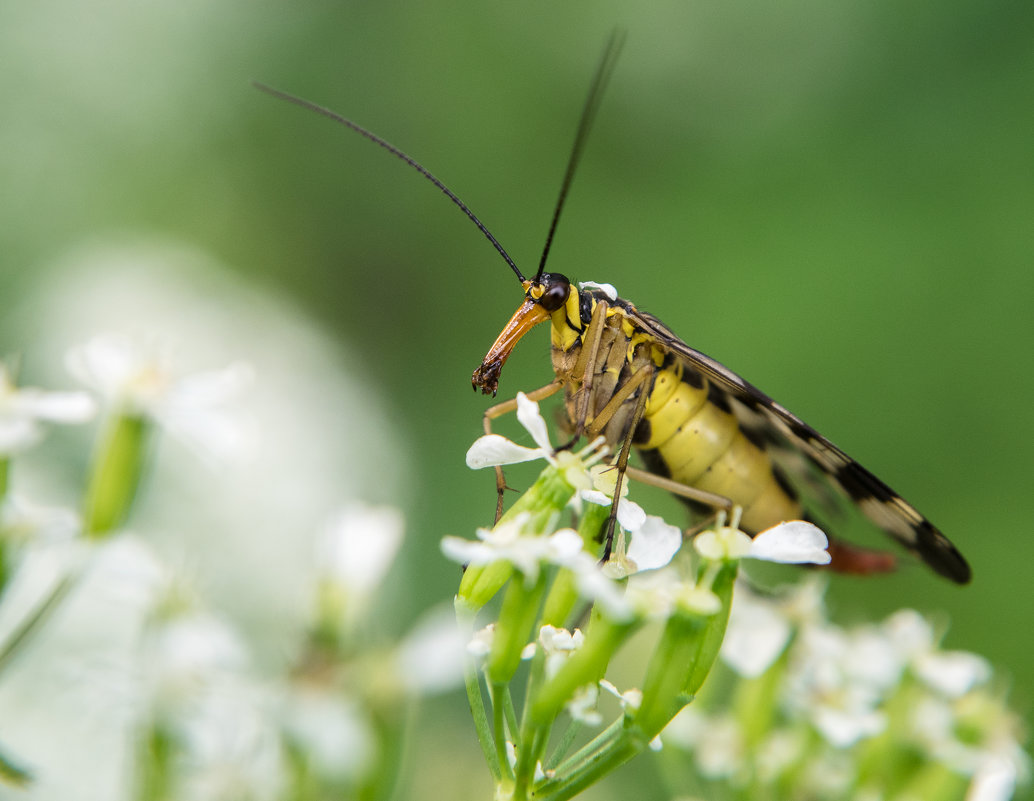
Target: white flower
<point>583,705</point>
<point>653,544</point>
<point>23,409</point>
<point>138,378</point>
<point>790,542</point>
<point>493,450</point>
<point>630,699</point>
<point>511,757</point>
<point>507,542</point>
<point>480,645</point>
<point>557,645</point>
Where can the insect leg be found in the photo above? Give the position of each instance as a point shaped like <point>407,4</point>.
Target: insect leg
<point>585,366</point>
<point>677,488</point>
<point>626,447</point>
<point>506,407</point>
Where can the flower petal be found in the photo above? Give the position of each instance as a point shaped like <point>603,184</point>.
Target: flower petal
<point>654,543</point>
<point>791,542</point>
<point>58,407</point>
<point>529,416</point>
<point>493,450</point>
<point>631,515</point>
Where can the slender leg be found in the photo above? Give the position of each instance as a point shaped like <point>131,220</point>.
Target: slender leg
<point>622,462</point>
<point>677,488</point>
<point>585,366</point>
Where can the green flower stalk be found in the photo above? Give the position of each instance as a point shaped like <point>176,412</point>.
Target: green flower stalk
<point>115,474</point>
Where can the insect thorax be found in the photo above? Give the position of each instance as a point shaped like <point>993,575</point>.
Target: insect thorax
<point>687,432</point>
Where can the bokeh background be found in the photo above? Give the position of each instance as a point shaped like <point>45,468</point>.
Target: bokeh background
<point>835,199</point>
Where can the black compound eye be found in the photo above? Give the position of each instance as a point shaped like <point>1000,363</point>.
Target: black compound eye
<point>555,292</point>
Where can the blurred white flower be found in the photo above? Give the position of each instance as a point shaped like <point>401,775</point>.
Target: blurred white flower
<point>826,686</point>
<point>355,548</point>
<point>330,730</point>
<point>715,741</point>
<point>23,410</point>
<point>23,522</point>
<point>231,748</point>
<point>138,377</point>
<point>952,673</point>
<point>756,635</point>
<point>431,656</point>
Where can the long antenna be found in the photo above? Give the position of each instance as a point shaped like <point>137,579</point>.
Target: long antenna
<point>611,51</point>
<point>326,112</point>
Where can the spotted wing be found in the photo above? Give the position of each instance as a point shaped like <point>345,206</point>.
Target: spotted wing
<point>794,445</point>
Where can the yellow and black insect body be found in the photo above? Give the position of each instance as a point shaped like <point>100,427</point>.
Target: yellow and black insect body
<point>701,430</point>
<point>625,375</point>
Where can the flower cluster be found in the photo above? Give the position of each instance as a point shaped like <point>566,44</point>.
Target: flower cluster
<point>548,580</point>
<point>873,711</point>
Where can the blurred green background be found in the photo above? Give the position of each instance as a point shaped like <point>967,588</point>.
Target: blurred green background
<point>835,199</point>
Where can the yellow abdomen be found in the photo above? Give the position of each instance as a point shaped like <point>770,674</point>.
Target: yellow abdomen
<point>700,444</point>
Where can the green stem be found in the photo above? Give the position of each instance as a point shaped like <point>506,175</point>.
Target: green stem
<point>498,690</point>
<point>34,620</point>
<point>475,698</point>
<point>115,475</point>
<point>481,724</point>
<point>714,631</point>
<point>612,754</point>
<point>600,742</point>
<point>565,742</point>
<point>684,657</point>
<point>12,773</point>
<point>513,630</point>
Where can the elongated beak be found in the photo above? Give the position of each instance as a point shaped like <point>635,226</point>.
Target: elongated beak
<point>486,377</point>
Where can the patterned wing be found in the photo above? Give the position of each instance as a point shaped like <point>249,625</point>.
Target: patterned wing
<point>794,445</point>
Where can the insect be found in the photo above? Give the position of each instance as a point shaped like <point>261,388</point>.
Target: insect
<point>701,430</point>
